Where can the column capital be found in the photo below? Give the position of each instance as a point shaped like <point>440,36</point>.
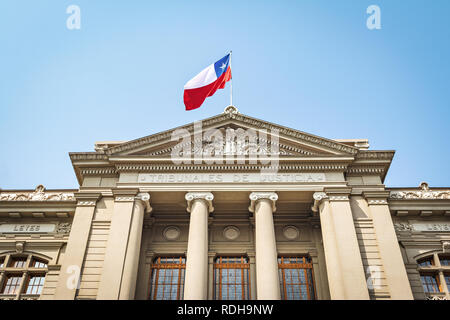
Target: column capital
<point>207,197</point>
<point>376,197</point>
<point>257,196</point>
<point>145,198</point>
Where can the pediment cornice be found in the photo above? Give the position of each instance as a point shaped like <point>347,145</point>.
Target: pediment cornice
<point>238,120</point>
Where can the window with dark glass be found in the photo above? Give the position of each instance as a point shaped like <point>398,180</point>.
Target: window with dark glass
<point>445,261</point>
<point>168,278</point>
<point>427,262</point>
<point>296,278</point>
<point>447,280</point>
<point>18,262</point>
<point>430,283</point>
<point>2,261</point>
<point>231,278</point>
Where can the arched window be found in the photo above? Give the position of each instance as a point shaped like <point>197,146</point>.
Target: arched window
<point>22,276</point>
<point>168,278</point>
<point>296,278</point>
<point>231,278</point>
<point>434,273</point>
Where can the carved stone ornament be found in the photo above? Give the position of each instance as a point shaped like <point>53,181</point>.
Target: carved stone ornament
<point>402,226</point>
<point>171,233</point>
<point>291,232</point>
<point>231,109</point>
<point>424,193</point>
<point>19,247</point>
<point>446,246</point>
<point>64,227</point>
<point>208,197</point>
<point>231,232</point>
<point>256,196</point>
<point>39,194</point>
<point>318,196</point>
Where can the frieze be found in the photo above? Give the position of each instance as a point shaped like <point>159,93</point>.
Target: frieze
<point>171,178</point>
<point>424,194</point>
<point>130,167</point>
<point>39,194</point>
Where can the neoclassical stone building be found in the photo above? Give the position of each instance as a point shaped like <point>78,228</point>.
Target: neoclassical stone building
<point>164,218</point>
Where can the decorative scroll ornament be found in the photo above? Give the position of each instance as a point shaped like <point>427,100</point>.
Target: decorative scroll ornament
<point>425,193</point>
<point>318,196</point>
<point>208,197</point>
<point>256,196</point>
<point>39,194</point>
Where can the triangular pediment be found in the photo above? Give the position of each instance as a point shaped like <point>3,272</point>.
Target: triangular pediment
<point>260,137</point>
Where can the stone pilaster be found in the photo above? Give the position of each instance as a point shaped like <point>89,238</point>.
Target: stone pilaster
<point>117,245</point>
<point>69,277</point>
<point>346,277</point>
<point>393,264</point>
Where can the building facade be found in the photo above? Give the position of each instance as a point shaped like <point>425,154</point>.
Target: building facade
<point>188,214</point>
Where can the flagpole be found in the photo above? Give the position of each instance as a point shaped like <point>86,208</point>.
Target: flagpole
<point>231,83</point>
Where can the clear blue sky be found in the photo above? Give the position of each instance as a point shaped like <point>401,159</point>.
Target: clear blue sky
<point>309,65</point>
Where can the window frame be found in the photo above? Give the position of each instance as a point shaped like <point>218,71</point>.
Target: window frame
<point>244,265</point>
<point>305,264</point>
<point>157,265</point>
<point>23,270</point>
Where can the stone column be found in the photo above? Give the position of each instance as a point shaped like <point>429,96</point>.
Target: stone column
<point>122,251</point>
<point>345,271</point>
<point>393,264</point>
<point>72,263</point>
<point>199,205</point>
<point>267,281</point>
<point>130,268</point>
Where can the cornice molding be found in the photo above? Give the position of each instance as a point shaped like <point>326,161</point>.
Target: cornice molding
<point>223,118</point>
<point>133,167</point>
<point>98,171</point>
<point>38,195</point>
<point>257,196</point>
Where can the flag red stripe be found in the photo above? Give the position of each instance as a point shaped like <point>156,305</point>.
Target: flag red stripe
<point>193,98</point>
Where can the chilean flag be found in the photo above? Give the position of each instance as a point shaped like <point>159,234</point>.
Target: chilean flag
<point>206,83</point>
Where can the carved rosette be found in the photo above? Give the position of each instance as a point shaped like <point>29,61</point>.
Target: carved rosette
<point>257,196</point>
<point>207,197</point>
<point>171,233</point>
<point>231,232</point>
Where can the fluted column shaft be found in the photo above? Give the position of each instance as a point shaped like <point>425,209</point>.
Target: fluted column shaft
<point>267,280</point>
<point>196,278</point>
